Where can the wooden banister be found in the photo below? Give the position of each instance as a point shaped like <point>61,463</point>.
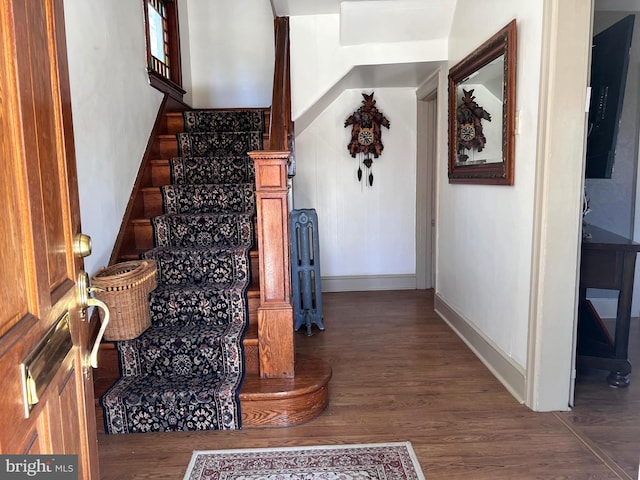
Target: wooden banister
<point>275,313</point>
<point>272,167</point>
<point>281,127</point>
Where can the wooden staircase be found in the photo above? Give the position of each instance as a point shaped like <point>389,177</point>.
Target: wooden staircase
<point>280,400</point>
<point>280,387</point>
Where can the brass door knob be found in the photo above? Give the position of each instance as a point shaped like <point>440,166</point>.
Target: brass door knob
<point>82,245</point>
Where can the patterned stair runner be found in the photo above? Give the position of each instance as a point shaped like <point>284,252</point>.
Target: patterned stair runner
<point>185,371</point>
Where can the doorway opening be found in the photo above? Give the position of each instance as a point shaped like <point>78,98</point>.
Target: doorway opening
<point>426,189</point>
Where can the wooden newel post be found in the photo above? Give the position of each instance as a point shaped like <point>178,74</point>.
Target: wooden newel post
<point>275,314</point>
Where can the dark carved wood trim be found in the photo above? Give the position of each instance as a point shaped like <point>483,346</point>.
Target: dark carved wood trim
<point>166,86</point>
<point>174,46</point>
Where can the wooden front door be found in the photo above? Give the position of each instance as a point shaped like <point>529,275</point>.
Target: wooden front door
<point>46,402</point>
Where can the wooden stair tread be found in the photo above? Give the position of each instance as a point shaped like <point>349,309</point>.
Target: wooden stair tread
<point>251,335</point>
<point>280,402</point>
<point>160,172</point>
<point>144,221</point>
<point>171,137</point>
<point>174,122</point>
<point>143,224</point>
<point>271,402</point>
<point>108,354</point>
<point>311,373</point>
<point>133,254</point>
<point>254,290</point>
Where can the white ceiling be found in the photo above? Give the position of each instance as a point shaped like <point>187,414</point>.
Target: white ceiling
<point>284,8</point>
<point>290,8</point>
<point>379,21</point>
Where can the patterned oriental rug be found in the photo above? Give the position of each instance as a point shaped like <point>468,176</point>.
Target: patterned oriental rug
<point>376,461</point>
<point>185,371</point>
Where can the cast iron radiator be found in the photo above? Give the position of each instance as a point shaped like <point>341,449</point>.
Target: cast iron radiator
<point>305,269</point>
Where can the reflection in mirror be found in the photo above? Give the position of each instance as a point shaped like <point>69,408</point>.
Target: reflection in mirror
<point>479,115</point>
<point>482,112</point>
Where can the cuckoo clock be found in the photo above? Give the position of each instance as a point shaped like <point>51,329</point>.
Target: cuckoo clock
<point>469,116</point>
<point>366,135</point>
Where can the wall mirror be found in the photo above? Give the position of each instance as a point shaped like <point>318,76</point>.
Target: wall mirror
<point>482,91</point>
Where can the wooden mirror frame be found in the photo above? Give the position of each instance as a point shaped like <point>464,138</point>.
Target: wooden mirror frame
<point>498,173</point>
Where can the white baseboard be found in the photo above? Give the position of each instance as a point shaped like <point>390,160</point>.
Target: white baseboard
<point>510,374</point>
<point>363,283</point>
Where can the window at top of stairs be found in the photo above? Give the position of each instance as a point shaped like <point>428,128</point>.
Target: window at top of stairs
<point>163,46</point>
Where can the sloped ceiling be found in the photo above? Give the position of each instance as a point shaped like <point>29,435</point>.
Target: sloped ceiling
<point>370,77</point>
<point>364,21</point>
<point>381,25</point>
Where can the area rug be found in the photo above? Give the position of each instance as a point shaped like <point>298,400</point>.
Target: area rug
<point>375,461</point>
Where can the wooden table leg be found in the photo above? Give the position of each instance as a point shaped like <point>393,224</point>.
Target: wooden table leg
<point>620,377</point>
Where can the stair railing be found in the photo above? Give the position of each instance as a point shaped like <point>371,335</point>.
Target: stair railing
<point>272,167</point>
<point>281,124</point>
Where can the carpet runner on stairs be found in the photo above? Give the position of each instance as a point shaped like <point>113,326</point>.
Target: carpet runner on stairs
<point>185,371</point>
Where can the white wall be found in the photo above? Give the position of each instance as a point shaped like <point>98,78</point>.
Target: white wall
<point>107,62</point>
<point>319,60</point>
<point>231,53</point>
<point>185,51</point>
<point>364,231</point>
<point>485,232</point>
<point>367,234</point>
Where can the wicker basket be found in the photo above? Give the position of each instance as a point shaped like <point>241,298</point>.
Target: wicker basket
<point>125,288</point>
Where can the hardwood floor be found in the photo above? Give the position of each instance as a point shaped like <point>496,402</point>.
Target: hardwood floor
<point>400,373</point>
<point>609,418</point>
